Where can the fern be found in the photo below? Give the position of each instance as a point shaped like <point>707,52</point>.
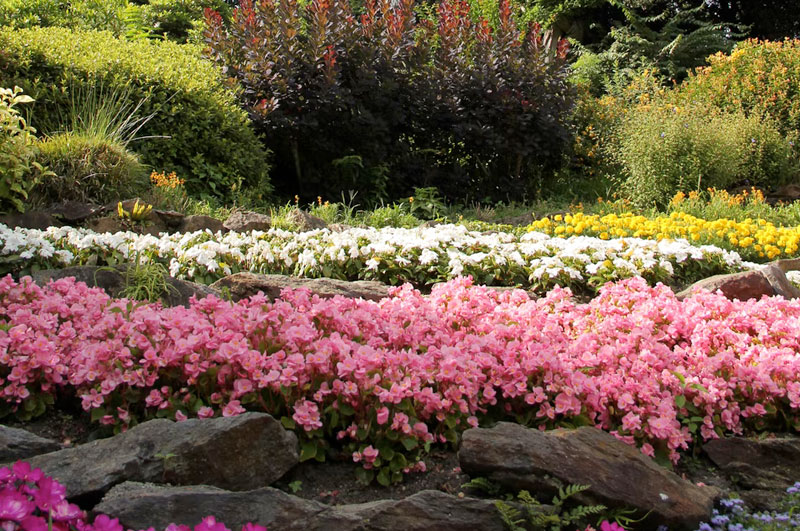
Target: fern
<point>554,521</point>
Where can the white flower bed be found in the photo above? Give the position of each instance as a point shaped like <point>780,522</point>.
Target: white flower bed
<point>422,255</point>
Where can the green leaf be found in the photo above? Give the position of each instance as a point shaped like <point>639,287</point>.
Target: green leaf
<point>308,450</point>
<point>680,401</point>
<point>364,476</point>
<point>288,423</point>
<point>97,414</point>
<point>409,443</point>
<point>384,477</point>
<point>346,409</point>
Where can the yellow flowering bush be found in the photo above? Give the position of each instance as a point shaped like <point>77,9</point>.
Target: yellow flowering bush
<point>754,239</point>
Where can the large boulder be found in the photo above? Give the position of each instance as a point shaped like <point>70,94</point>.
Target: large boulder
<point>74,212</point>
<point>236,453</point>
<point>769,280</point>
<point>243,220</point>
<point>305,221</point>
<point>762,469</point>
<point>243,285</point>
<point>618,475</point>
<point>201,222</point>
<point>113,282</point>
<point>140,506</point>
<point>20,444</point>
<point>30,220</point>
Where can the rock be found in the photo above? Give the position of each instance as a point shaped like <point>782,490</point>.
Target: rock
<point>113,224</point>
<point>780,284</point>
<point>74,212</point>
<point>243,285</point>
<point>155,222</point>
<point>237,453</point>
<point>241,221</point>
<point>339,227</point>
<point>30,220</point>
<point>787,264</point>
<point>20,444</point>
<point>140,506</point>
<point>761,469</point>
<point>173,220</point>
<point>113,282</point>
<point>518,221</point>
<point>201,222</point>
<point>305,221</point>
<point>789,191</point>
<point>742,286</point>
<point>619,475</point>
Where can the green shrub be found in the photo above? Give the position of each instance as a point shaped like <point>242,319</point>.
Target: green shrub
<point>758,77</point>
<point>76,14</point>
<point>18,168</point>
<point>663,150</point>
<point>387,101</point>
<point>210,142</point>
<point>88,168</point>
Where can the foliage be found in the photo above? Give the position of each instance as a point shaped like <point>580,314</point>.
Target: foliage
<point>87,168</point>
<point>177,20</point>
<point>146,281</point>
<point>205,137</point>
<point>741,207</point>
<point>734,515</point>
<point>758,77</point>
<point>773,20</point>
<point>531,513</point>
<point>19,170</point>
<point>664,150</point>
<point>378,102</point>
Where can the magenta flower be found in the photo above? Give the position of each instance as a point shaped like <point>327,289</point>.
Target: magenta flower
<point>210,523</point>
<point>49,494</point>
<point>105,523</point>
<point>14,506</point>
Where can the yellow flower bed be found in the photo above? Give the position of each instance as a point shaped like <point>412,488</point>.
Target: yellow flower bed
<point>754,239</point>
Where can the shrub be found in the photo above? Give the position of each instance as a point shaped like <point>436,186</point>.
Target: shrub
<point>664,150</point>
<point>18,167</point>
<point>386,102</point>
<point>758,77</point>
<point>77,14</point>
<point>88,168</point>
<point>209,140</point>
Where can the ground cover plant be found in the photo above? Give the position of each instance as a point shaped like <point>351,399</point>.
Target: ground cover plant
<point>384,381</point>
<point>422,255</point>
<point>754,239</point>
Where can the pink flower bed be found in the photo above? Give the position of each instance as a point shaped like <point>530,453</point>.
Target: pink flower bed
<point>385,380</point>
<point>31,501</point>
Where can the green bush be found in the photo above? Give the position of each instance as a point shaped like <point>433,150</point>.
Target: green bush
<point>76,14</point>
<point>388,101</point>
<point>663,150</point>
<point>18,168</point>
<point>758,77</point>
<point>88,168</point>
<point>209,139</point>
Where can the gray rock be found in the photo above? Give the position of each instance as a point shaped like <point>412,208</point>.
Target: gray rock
<point>619,475</point>
<point>780,284</point>
<point>202,222</point>
<point>243,285</point>
<point>241,221</point>
<point>305,221</point>
<point>113,282</point>
<point>30,220</point>
<point>140,506</point>
<point>20,444</point>
<point>742,286</point>
<point>73,212</point>
<point>236,453</point>
<point>759,467</point>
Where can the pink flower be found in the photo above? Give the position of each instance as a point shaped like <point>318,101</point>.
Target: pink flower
<point>231,409</point>
<point>205,412</point>
<point>370,454</point>
<point>180,416</point>
<point>383,415</point>
<point>306,414</point>
<point>209,523</point>
<point>253,527</point>
<point>49,494</point>
<point>105,523</point>
<point>14,506</point>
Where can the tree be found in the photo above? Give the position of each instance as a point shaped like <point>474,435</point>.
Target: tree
<point>765,19</point>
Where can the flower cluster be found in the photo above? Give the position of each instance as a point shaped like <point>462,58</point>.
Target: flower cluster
<point>754,239</point>
<point>412,370</point>
<point>734,516</point>
<point>422,256</point>
<point>31,501</point>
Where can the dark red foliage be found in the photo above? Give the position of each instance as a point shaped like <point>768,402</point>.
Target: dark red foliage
<point>382,101</point>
